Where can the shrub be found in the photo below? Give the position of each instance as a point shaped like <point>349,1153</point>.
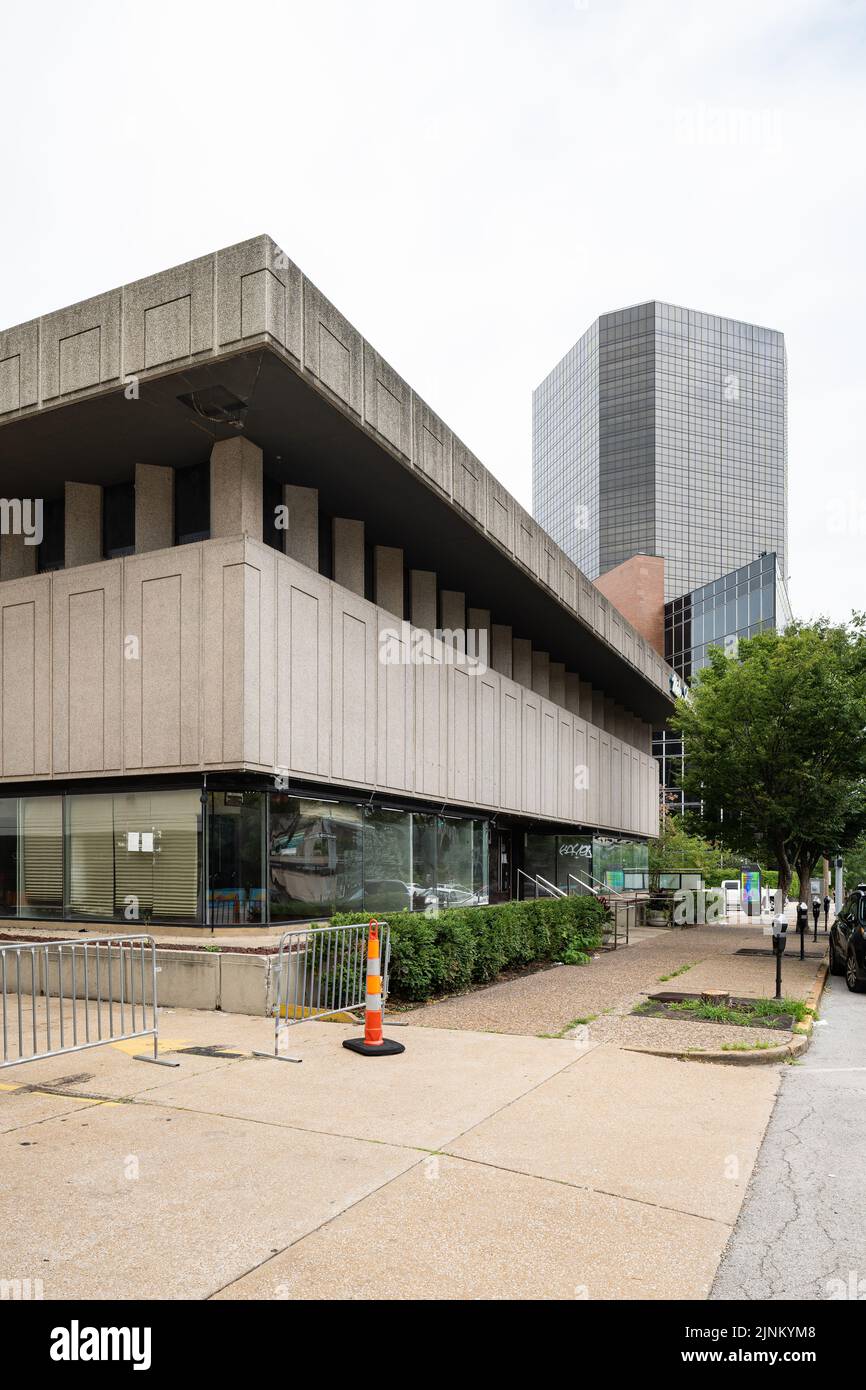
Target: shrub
<point>457,947</point>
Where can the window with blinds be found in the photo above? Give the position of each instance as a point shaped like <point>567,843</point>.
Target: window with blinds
<point>40,859</point>
<point>90,831</point>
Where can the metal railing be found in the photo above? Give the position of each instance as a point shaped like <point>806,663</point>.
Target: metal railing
<point>81,994</point>
<point>541,886</point>
<point>322,971</point>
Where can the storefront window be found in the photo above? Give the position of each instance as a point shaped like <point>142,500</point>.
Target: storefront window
<point>235,862</point>
<point>40,858</point>
<point>388,882</point>
<point>454,863</point>
<point>480,861</point>
<point>302,859</point>
<point>425,834</point>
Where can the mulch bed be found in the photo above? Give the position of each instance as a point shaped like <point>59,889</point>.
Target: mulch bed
<point>212,947</point>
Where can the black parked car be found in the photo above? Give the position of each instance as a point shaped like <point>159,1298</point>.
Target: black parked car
<point>848,941</point>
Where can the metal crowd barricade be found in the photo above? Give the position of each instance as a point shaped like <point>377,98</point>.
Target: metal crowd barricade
<point>322,971</point>
<point>81,994</point>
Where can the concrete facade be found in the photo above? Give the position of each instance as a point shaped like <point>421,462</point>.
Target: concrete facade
<point>319,502</point>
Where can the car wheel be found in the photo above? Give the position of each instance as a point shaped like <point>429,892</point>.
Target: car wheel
<point>852,979</point>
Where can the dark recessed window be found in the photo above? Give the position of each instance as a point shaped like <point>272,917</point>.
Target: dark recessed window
<point>192,504</point>
<point>118,520</point>
<point>272,498</point>
<point>52,551</point>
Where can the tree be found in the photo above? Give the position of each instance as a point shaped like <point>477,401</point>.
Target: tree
<point>675,849</point>
<point>775,742</point>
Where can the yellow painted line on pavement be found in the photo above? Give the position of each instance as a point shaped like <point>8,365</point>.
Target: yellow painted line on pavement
<point>133,1045</point>
<point>10,1085</point>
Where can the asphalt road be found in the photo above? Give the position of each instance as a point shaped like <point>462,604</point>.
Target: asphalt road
<point>802,1230</point>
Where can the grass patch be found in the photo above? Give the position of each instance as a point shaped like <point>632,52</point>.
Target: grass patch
<point>673,975</point>
<point>742,1013</point>
<point>746,1047</point>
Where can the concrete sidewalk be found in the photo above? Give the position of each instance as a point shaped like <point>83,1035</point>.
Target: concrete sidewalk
<point>475,1165</point>
<point>601,996</point>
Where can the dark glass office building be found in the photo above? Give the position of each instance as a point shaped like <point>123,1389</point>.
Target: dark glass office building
<point>663,431</point>
<point>741,604</point>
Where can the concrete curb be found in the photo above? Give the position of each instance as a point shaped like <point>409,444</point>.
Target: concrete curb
<point>759,1056</point>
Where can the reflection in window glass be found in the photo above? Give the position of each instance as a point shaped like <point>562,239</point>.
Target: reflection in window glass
<point>388,881</point>
<point>454,868</point>
<point>235,857</point>
<point>424,845</point>
<point>480,861</point>
<point>302,859</point>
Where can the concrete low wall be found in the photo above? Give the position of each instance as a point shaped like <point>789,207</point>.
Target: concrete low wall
<point>230,981</point>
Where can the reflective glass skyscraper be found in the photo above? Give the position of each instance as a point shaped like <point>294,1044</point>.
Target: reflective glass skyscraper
<point>663,431</point>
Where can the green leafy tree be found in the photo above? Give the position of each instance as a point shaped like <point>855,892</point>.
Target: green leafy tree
<point>775,743</point>
<point>674,848</point>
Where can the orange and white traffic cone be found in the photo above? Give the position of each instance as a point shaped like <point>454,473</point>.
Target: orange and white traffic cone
<point>373,1044</point>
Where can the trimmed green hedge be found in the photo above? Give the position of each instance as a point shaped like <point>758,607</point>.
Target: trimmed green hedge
<point>457,947</point>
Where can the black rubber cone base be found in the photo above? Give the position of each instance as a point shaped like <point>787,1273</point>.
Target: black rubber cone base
<point>386,1048</point>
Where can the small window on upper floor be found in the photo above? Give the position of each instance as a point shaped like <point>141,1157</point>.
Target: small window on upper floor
<point>192,504</point>
<point>51,554</point>
<point>118,520</point>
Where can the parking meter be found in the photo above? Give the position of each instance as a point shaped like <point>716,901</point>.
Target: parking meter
<point>802,926</point>
<point>780,938</point>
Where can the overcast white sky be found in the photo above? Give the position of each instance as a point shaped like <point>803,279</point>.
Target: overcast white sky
<point>472,184</point>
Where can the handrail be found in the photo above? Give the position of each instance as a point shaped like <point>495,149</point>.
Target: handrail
<point>539,882</point>
<point>553,887</point>
<point>575,879</point>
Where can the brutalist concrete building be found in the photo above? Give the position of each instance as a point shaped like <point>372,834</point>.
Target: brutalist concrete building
<point>273,642</point>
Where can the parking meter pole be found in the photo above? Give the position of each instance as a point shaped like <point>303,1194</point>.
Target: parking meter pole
<point>780,927</point>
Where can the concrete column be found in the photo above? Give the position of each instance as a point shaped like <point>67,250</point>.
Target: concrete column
<point>598,709</point>
<point>236,489</point>
<point>388,578</point>
<point>501,649</point>
<point>521,661</point>
<point>154,507</point>
<point>453,610</point>
<point>572,692</point>
<point>82,524</point>
<point>349,554</point>
<point>585,700</point>
<point>17,560</point>
<point>478,623</point>
<point>541,673</point>
<point>302,532</point>
<point>422,599</point>
<point>610,716</point>
<point>557,683</point>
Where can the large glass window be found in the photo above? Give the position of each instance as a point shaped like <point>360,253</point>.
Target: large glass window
<point>480,861</point>
<point>388,882</point>
<point>40,857</point>
<point>454,866</point>
<point>157,855</point>
<point>302,858</point>
<point>235,857</point>
<point>90,856</point>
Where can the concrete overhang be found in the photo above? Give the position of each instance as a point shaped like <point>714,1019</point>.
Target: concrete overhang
<point>353,430</point>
